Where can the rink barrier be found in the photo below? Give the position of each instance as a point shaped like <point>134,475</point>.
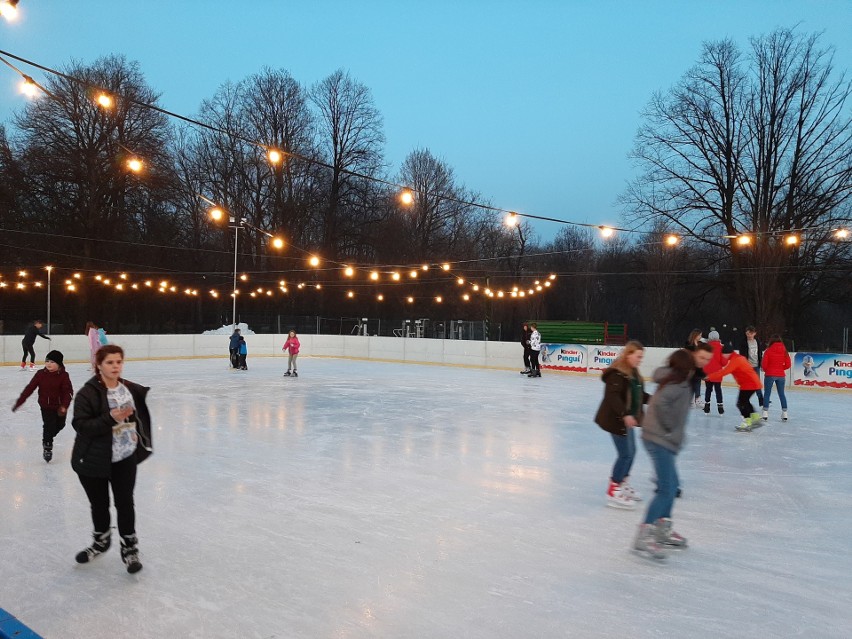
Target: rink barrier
<point>444,352</point>
<point>11,628</point>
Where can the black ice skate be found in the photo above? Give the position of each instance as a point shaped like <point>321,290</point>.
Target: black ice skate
<point>130,553</point>
<point>287,374</point>
<point>295,374</point>
<point>721,408</point>
<point>47,445</point>
<point>98,547</point>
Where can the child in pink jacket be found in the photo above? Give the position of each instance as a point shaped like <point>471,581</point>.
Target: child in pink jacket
<point>291,346</point>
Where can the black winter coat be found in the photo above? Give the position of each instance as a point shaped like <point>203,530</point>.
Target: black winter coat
<point>616,402</point>
<point>92,453</point>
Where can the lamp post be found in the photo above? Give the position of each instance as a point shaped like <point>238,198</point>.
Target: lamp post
<point>217,214</point>
<point>49,270</point>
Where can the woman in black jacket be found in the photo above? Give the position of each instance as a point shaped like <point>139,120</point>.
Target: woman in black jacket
<point>113,435</point>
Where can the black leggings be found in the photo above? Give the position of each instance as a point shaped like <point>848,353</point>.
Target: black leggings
<point>744,403</point>
<point>717,386</point>
<point>534,360</point>
<point>28,350</point>
<point>123,480</point>
<point>527,352</point>
<point>53,423</point>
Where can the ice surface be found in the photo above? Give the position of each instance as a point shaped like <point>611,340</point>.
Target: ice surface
<point>368,499</point>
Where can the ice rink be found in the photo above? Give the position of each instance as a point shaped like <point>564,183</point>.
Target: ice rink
<point>369,499</point>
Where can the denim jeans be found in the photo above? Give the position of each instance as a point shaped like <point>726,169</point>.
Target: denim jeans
<point>667,482</point>
<point>767,391</point>
<point>626,448</point>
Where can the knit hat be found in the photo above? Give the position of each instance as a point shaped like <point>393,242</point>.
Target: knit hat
<point>713,335</point>
<point>727,349</point>
<point>55,357</point>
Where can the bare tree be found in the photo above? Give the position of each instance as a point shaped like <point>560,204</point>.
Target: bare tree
<point>351,138</point>
<point>759,146</point>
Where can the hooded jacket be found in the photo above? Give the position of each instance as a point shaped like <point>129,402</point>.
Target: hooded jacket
<point>668,411</point>
<point>54,389</point>
<point>742,371</point>
<point>292,345</point>
<point>776,360</point>
<point>234,342</point>
<point>92,452</point>
<point>716,361</point>
<point>616,402</point>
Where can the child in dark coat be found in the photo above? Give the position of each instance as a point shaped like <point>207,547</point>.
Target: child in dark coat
<point>243,352</point>
<point>54,398</point>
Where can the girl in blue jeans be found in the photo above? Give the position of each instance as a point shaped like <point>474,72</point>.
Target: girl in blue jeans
<point>663,434</point>
<point>619,413</point>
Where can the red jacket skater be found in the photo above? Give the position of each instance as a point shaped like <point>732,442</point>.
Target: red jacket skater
<point>742,371</point>
<point>776,360</point>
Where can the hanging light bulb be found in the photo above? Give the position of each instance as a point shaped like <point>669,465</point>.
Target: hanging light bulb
<point>606,231</point>
<point>274,156</point>
<point>406,196</point>
<point>216,214</point>
<point>349,271</point>
<point>672,239</point>
<point>9,10</point>
<point>105,100</point>
<point>314,261</point>
<point>791,240</point>
<point>744,240</point>
<point>29,88</point>
<point>135,165</point>
<point>511,220</point>
<point>277,242</point>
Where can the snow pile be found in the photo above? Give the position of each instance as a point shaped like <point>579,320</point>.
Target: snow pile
<point>229,328</point>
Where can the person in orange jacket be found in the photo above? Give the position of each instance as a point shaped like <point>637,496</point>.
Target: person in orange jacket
<point>748,381</point>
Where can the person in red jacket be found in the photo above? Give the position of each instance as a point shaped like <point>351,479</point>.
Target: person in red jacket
<point>291,347</point>
<point>54,398</point>
<point>775,364</point>
<point>714,365</point>
<point>748,381</point>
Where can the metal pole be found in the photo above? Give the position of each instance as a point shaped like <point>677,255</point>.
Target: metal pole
<point>236,239</point>
<point>49,270</point>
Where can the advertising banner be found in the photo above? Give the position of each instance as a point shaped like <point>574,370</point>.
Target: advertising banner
<point>828,370</point>
<point>600,357</point>
<point>564,357</point>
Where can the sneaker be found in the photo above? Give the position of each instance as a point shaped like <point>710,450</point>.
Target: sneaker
<point>783,415</point>
<point>706,408</point>
<point>646,542</point>
<point>631,492</point>
<point>765,415</point>
<point>721,408</point>
<point>668,537</point>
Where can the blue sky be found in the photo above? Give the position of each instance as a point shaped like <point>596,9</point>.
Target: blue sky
<point>534,104</point>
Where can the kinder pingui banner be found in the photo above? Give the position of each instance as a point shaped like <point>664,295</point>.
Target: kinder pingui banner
<point>602,357</point>
<point>564,357</point>
<point>827,370</point>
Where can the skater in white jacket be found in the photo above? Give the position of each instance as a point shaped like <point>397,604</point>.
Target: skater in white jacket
<point>535,348</point>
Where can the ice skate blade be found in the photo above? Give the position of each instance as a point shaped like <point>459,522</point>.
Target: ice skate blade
<point>610,504</point>
<point>648,556</point>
